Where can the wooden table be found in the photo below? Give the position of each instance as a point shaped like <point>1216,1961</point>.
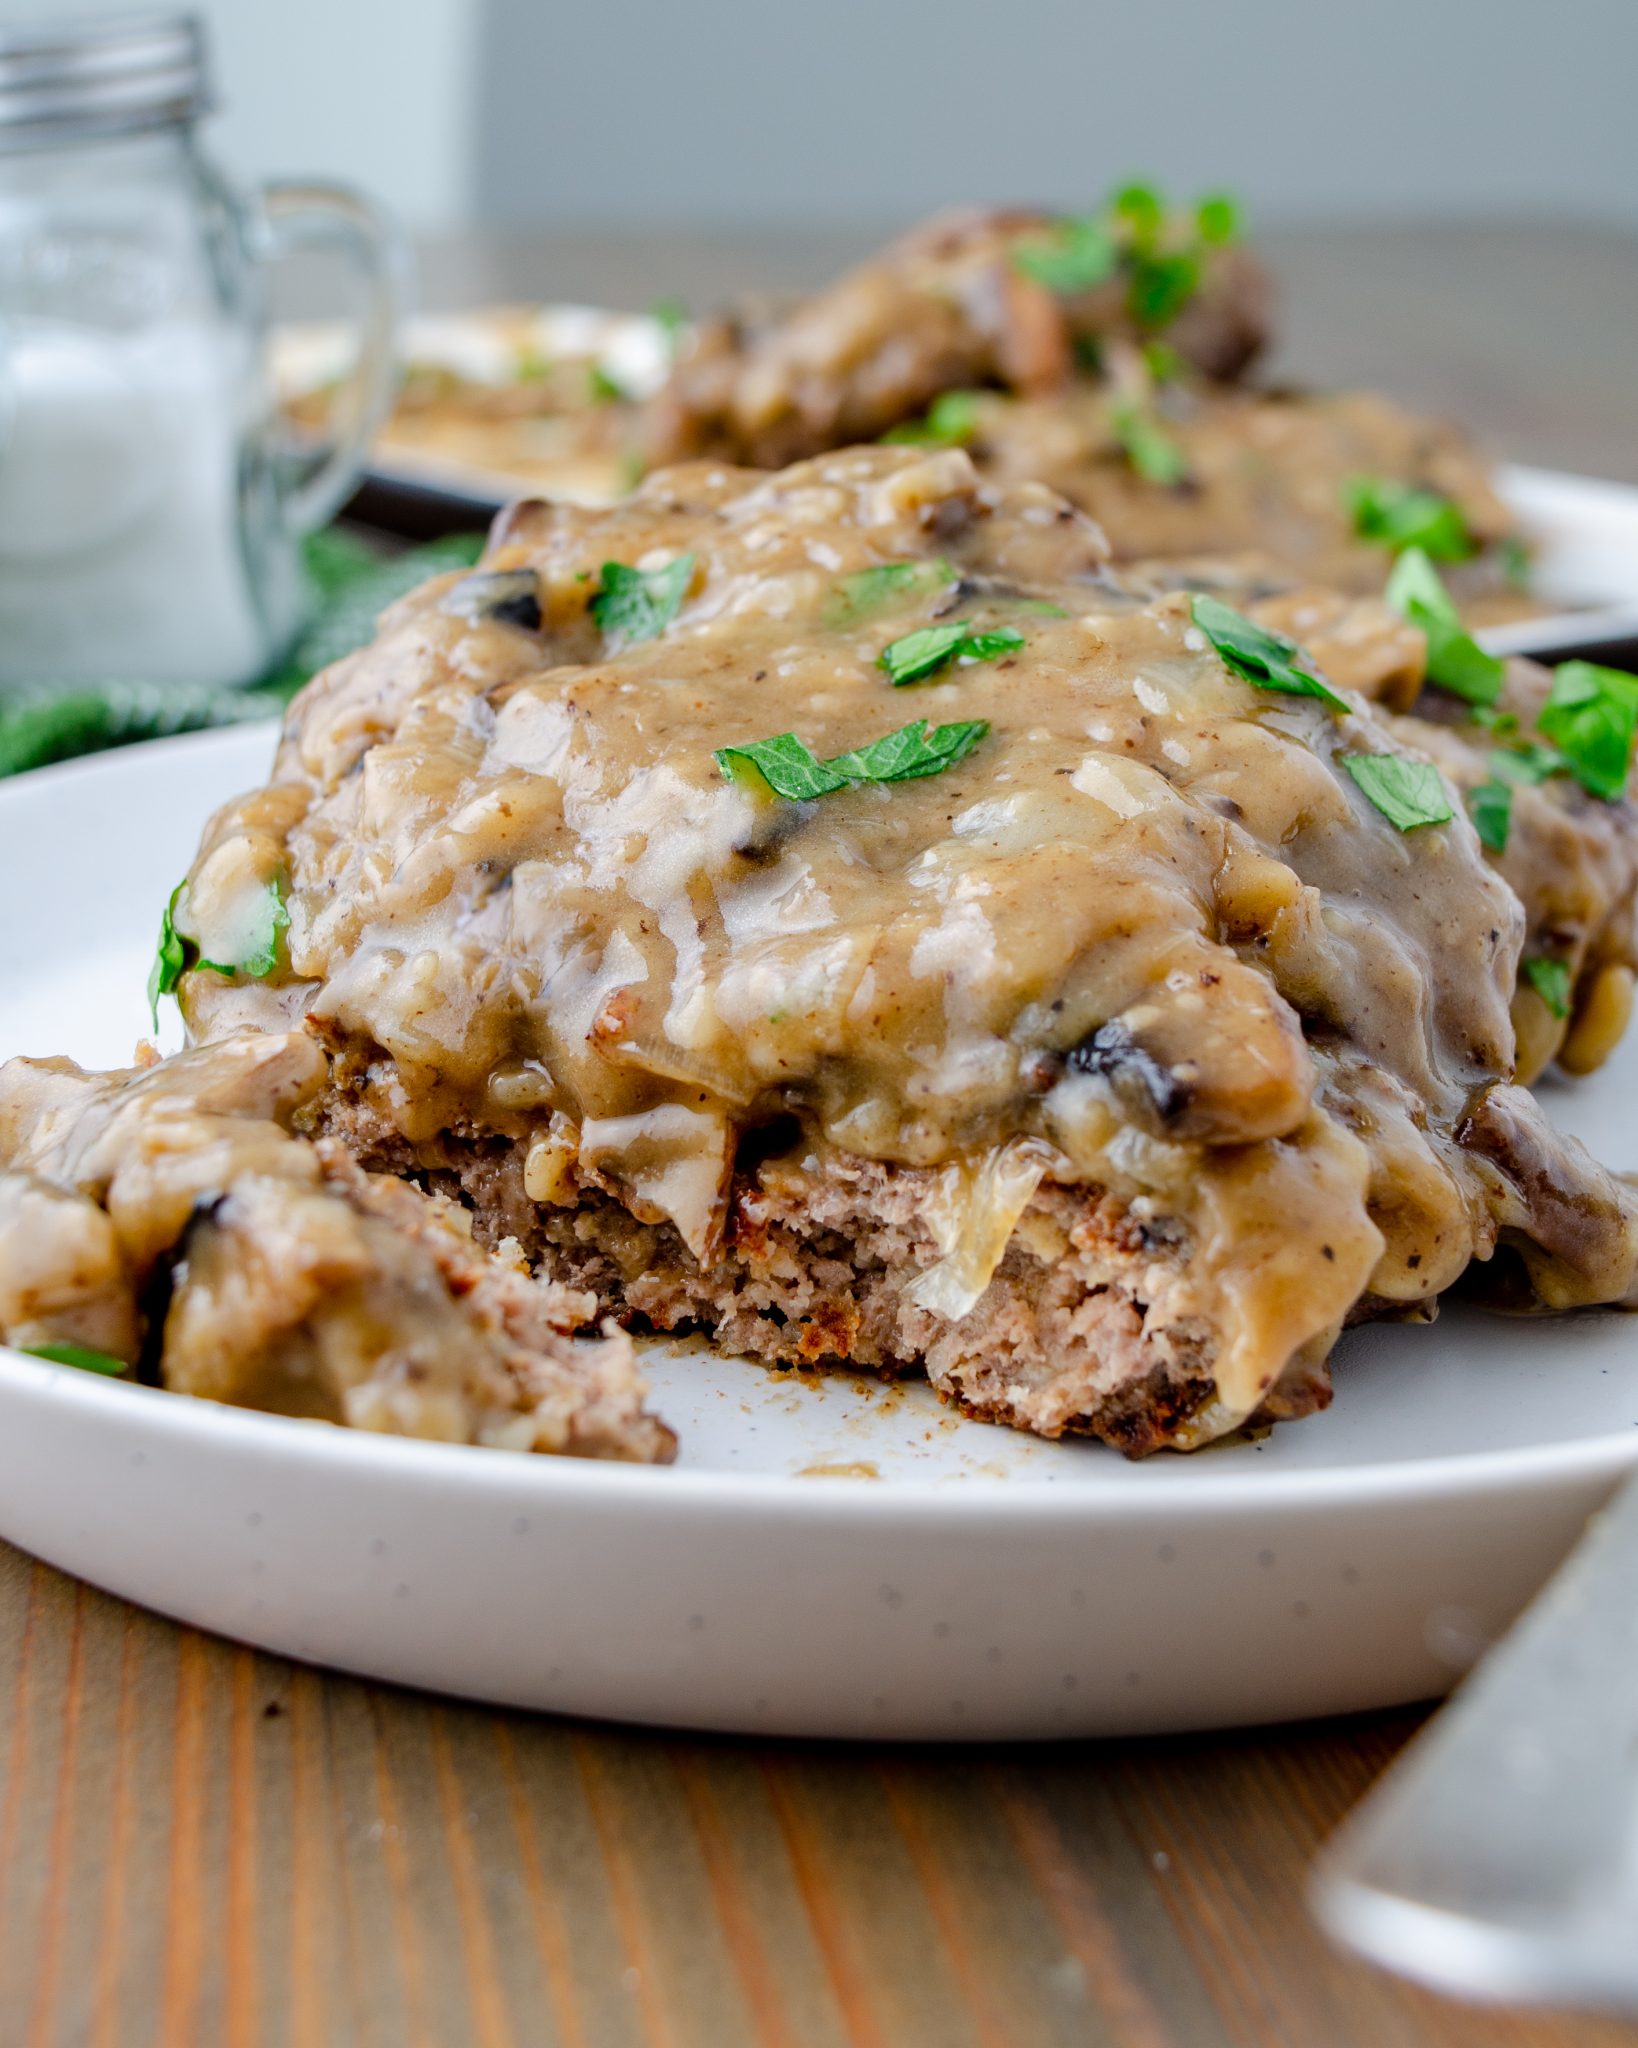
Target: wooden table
<point>203,1847</point>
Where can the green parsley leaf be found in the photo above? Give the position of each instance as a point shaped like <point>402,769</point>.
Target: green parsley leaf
<point>1260,657</point>
<point>633,605</point>
<point>1076,256</point>
<point>1407,793</point>
<point>1162,286</point>
<point>1151,451</point>
<point>1514,557</point>
<point>915,750</point>
<point>949,422</point>
<point>1551,981</point>
<point>1522,767</point>
<point>273,918</point>
<point>1489,719</point>
<point>170,958</point>
<point>1162,361</point>
<point>671,317</point>
<point>605,387</point>
<point>1491,806</point>
<point>1398,516</point>
<point>790,769</point>
<point>177,954</point>
<point>1141,210</point>
<point>868,590</point>
<point>1036,606</point>
<point>1217,219</point>
<point>920,655</point>
<point>1415,582</point>
<point>990,646</point>
<point>1456,662</point>
<point>783,764</point>
<point>77,1354</point>
<point>1591,714</point>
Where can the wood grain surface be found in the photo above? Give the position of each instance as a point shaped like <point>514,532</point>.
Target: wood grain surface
<point>203,1847</point>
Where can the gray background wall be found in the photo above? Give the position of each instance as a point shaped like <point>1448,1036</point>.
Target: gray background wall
<point>725,113</point>
<point>741,111</point>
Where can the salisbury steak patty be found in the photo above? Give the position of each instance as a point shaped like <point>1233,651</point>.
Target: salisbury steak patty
<point>1106,356</point>
<point>834,909</point>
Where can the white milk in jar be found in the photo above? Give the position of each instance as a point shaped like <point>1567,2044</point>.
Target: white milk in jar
<point>120,533</point>
<point>151,507</point>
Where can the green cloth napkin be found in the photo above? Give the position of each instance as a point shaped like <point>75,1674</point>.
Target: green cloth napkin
<point>352,583</point>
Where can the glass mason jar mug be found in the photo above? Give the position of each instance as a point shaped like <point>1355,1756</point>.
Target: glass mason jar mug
<point>151,503</point>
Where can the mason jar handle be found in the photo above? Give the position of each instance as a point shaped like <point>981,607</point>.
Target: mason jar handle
<point>299,215</point>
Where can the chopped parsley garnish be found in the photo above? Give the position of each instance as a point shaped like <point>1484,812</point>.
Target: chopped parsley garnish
<point>1151,451</point>
<point>1551,981</point>
<point>1400,516</point>
<point>1407,793</point>
<point>170,956</point>
<point>1514,557</point>
<point>868,590</point>
<point>1217,219</point>
<point>1141,210</point>
<point>1162,285</point>
<point>1076,256</point>
<point>671,317</point>
<point>1456,662</point>
<point>790,769</point>
<point>177,954</point>
<point>1135,232</point>
<point>633,605</point>
<point>77,1354</point>
<point>1491,807</point>
<point>532,366</point>
<point>273,917</point>
<point>1590,718</point>
<point>914,750</point>
<point>920,655</point>
<point>1591,715</point>
<point>786,764</point>
<point>1260,657</point>
<point>949,422</point>
<point>1162,361</point>
<point>605,387</point>
<point>1526,765</point>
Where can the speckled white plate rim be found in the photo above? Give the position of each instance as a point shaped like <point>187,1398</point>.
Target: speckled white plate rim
<point>1164,1486</point>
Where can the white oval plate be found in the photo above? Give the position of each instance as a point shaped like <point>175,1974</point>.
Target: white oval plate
<point>829,1558</point>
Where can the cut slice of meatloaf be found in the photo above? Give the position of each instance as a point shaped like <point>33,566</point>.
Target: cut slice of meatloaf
<point>166,1221</point>
<point>1087,1325</point>
<point>834,909</point>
